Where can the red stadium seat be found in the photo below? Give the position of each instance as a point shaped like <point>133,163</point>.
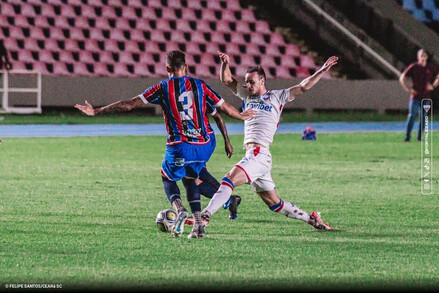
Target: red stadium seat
<point>247,15</point>
<point>91,45</point>
<point>228,15</point>
<point>276,39</point>
<point>141,70</point>
<point>67,11</point>
<point>172,46</point>
<point>122,23</point>
<point>233,48</point>
<point>146,58</point>
<point>243,27</point>
<point>307,61</point>
<point>60,21</point>
<point>184,26</point>
<point>27,10</point>
<point>96,34</point>
<point>156,3</point>
<point>66,56</point>
<point>121,70</point>
<point>126,57</point>
<point>213,48</point>
<point>56,33</point>
<point>101,69</point>
<point>203,25</point>
<point>157,36</point>
<point>178,36</point>
<point>218,38</point>
<point>106,57</point>
<point>87,11</point>
<point>282,73</point>
<point>168,13</point>
<point>41,21</point>
<point>233,5</point>
<point>110,45</point>
<point>192,48</point>
<point>262,27</point>
<point>7,9</point>
<point>188,13</point>
<point>46,56</point>
<point>223,26</point>
<point>163,24</point>
<point>208,14</point>
<point>86,57</point>
<point>292,50</point>
<point>36,33</point>
<point>137,35</point>
<point>208,59</point>
<point>129,12</point>
<point>76,33</point>
<point>257,39</point>
<point>101,23</point>
<point>252,49</point>
<point>247,60</point>
<point>137,3</point>
<point>237,38</point>
<point>81,22</point>
<point>52,45</point>
<point>19,20</point>
<point>148,13</point>
<point>60,68</point>
<point>81,69</point>
<point>19,65</point>
<point>48,11</point>
<point>198,37</point>
<point>194,5</point>
<point>108,12</point>
<point>302,72</point>
<point>39,66</point>
<point>214,5</point>
<point>288,61</point>
<point>117,35</point>
<point>31,44</point>
<point>26,56</point>
<point>160,70</point>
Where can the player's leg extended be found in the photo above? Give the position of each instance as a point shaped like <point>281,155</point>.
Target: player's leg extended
<point>280,206</point>
<point>411,118</point>
<point>233,179</point>
<point>290,210</point>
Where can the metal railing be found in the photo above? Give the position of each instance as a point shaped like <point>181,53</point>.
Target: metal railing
<point>6,89</point>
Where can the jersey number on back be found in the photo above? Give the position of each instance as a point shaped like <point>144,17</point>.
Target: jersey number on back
<point>186,100</point>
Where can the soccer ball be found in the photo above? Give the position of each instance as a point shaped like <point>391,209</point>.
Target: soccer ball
<point>166,219</point>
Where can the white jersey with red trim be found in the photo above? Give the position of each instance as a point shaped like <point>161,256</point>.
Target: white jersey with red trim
<point>263,126</point>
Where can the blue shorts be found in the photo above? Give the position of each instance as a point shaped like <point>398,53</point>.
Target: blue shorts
<point>186,160</point>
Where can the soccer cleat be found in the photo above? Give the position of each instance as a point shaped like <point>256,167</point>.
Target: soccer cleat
<point>205,218</point>
<point>197,232</point>
<point>190,221</point>
<point>235,200</point>
<point>178,228</point>
<point>316,222</point>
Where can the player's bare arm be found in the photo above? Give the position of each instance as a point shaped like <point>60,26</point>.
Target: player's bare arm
<point>120,106</point>
<point>310,81</point>
<point>434,85</point>
<point>225,73</point>
<point>403,82</point>
<point>222,127</point>
<point>231,111</point>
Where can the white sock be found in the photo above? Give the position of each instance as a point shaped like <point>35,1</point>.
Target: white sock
<point>220,197</point>
<point>290,210</point>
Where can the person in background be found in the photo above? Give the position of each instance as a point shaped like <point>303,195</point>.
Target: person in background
<point>425,78</point>
<point>4,56</point>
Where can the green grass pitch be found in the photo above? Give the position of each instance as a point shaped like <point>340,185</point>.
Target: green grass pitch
<point>81,212</point>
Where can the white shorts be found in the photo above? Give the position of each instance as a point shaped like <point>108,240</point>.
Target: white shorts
<point>257,167</point>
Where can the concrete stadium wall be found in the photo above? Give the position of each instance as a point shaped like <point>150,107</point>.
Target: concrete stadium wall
<point>377,95</point>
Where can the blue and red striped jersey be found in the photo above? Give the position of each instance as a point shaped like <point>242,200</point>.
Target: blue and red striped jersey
<point>184,101</point>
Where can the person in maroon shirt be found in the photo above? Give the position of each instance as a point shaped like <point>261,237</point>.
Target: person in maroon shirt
<point>425,78</point>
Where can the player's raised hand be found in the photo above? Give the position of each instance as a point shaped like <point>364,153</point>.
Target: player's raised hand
<point>86,109</point>
<point>223,57</point>
<point>329,63</point>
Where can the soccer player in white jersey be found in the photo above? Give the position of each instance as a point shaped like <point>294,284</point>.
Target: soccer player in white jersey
<point>255,167</point>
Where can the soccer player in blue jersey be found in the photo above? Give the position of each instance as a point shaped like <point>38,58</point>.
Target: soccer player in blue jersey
<point>184,101</point>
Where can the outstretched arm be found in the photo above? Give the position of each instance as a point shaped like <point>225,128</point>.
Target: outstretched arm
<point>222,127</point>
<point>310,81</point>
<point>120,106</point>
<point>225,73</point>
<point>231,111</point>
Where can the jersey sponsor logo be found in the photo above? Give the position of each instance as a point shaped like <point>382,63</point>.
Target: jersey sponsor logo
<point>259,106</point>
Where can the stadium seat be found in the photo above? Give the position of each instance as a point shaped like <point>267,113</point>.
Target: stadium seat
<point>208,15</point>
<point>81,22</point>
<point>52,45</point>
<point>101,69</point>
<point>27,10</point>
<point>228,15</point>
<point>129,12</point>
<point>87,11</point>
<point>26,56</point>
<point>122,23</point>
<point>106,57</point>
<point>222,26</point>
<point>292,50</point>
<point>109,45</point>
<point>233,5</point>
<point>213,5</point>
<point>39,66</point>
<point>76,33</point>
<point>60,68</point>
<point>184,25</point>
<point>257,39</point>
<point>81,69</point>
<point>287,61</point>
<point>67,11</point>
<point>283,73</point>
<point>247,60</point>
<point>137,35</point>
<point>172,46</point>
<point>7,9</point>
<point>31,44</point>
<point>108,12</point>
<point>307,61</point>
<point>232,48</point>
<point>86,57</point>
<point>157,36</point>
<point>148,13</point>
<point>177,36</point>
<point>276,39</point>
<point>146,58</point>
<point>163,25</point>
<point>252,49</point>
<point>56,33</point>
<point>194,5</point>
<point>302,72</point>
<point>198,37</point>
<point>247,15</point>
<point>117,35</point>
<point>40,21</point>
<point>36,33</point>
<point>60,21</point>
<point>262,27</point>
<point>160,70</point>
<point>156,3</point>
<point>168,13</point>
<point>19,65</point>
<point>19,20</point>
<point>46,56</point>
<point>208,59</point>
<point>66,56</point>
<point>121,70</point>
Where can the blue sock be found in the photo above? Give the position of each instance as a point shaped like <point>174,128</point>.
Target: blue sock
<point>192,194</point>
<point>171,189</point>
<point>206,189</point>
